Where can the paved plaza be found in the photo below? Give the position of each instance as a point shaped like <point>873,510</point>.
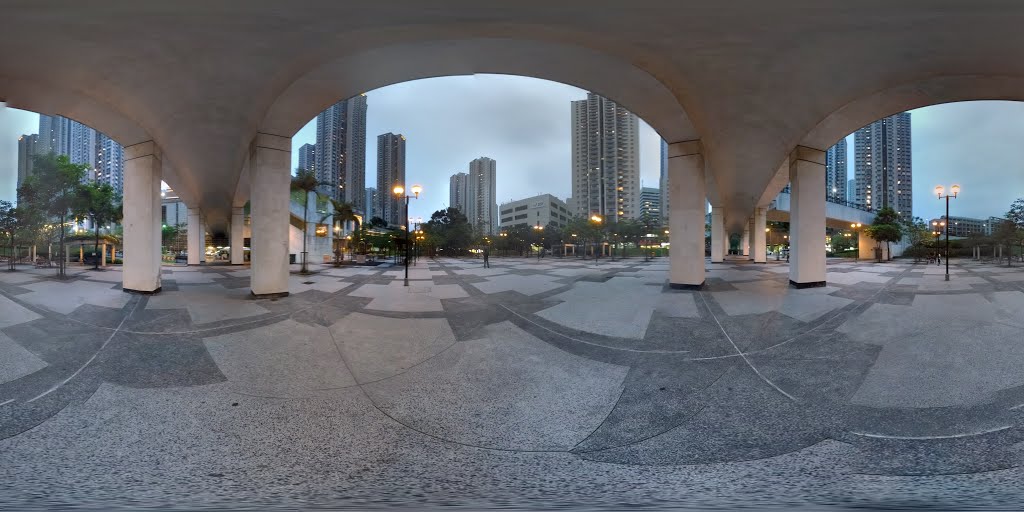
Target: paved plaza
<point>543,381</point>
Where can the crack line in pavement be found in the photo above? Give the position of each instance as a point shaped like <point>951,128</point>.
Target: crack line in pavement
<point>740,352</point>
<point>91,359</point>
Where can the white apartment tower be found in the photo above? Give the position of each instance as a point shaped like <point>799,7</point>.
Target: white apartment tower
<point>882,165</point>
<point>339,158</point>
<point>481,195</point>
<point>390,172</point>
<point>458,191</point>
<point>835,171</point>
<point>605,159</point>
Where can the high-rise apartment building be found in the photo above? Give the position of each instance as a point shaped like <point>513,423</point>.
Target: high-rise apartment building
<point>339,159</point>
<point>307,155</point>
<point>27,149</point>
<point>605,159</point>
<point>882,165</point>
<point>650,204</point>
<point>109,162</point>
<point>481,195</point>
<point>390,172</point>
<point>371,204</point>
<point>458,191</point>
<point>835,171</point>
<point>851,189</point>
<point>83,145</point>
<point>663,182</point>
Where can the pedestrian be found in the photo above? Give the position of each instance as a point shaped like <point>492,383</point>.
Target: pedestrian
<point>938,258</point>
<point>487,257</point>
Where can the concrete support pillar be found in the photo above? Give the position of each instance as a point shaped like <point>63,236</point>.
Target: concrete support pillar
<point>745,242</point>
<point>760,245</point>
<point>81,254</point>
<point>750,238</point>
<point>866,246</point>
<point>719,242</point>
<point>269,177</point>
<point>103,256</point>
<point>237,236</point>
<point>142,173</point>
<point>807,217</point>
<point>196,237</point>
<point>687,196</point>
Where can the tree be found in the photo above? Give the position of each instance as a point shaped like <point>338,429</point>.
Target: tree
<point>304,180</point>
<point>377,222</point>
<point>101,204</point>
<point>1016,216</point>
<point>1006,234</point>
<point>51,192</point>
<point>448,229</point>
<point>13,230</point>
<point>343,213</point>
<point>887,227</point>
<point>919,236</point>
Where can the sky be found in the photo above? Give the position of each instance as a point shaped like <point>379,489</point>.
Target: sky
<point>524,124</point>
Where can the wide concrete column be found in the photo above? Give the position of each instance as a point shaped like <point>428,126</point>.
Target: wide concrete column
<point>196,237</point>
<point>865,246</point>
<point>807,217</point>
<point>142,235</point>
<point>687,196</point>
<point>237,236</point>
<point>759,243</point>
<point>750,239</point>
<point>745,241</point>
<point>269,176</point>
<point>718,239</point>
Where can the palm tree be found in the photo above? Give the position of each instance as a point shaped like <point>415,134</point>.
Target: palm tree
<point>304,180</point>
<point>343,212</point>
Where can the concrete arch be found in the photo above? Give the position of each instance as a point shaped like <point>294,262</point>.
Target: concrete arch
<point>48,100</point>
<point>617,79</point>
<point>921,93</point>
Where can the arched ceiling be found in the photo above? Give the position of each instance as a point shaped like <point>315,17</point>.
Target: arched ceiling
<point>752,79</point>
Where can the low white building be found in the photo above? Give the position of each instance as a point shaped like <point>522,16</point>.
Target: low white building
<point>534,211</point>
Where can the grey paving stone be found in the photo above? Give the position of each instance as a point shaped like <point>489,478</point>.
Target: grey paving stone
<point>285,359</point>
<point>508,391</point>
<point>15,361</point>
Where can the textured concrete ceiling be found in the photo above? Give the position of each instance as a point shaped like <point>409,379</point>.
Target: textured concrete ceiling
<point>752,79</point>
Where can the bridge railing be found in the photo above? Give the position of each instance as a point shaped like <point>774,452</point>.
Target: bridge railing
<point>832,200</point>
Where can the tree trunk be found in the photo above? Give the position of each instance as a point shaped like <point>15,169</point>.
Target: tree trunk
<point>96,249</point>
<point>63,257</point>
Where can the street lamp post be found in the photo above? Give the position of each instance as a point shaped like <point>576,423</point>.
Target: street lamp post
<point>596,219</point>
<point>940,191</point>
<point>399,191</point>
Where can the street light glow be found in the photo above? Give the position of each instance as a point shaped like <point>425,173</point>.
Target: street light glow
<point>398,190</point>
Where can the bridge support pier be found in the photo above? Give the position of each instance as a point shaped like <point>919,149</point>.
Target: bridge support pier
<point>143,169</point>
<point>760,246</point>
<point>719,240</point>
<point>807,217</point>
<point>745,242</point>
<point>237,240</point>
<point>196,237</point>
<point>269,178</point>
<point>687,196</point>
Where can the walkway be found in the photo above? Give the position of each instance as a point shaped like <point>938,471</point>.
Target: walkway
<point>559,381</point>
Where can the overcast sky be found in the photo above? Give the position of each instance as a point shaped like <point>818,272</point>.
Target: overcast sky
<point>523,123</point>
